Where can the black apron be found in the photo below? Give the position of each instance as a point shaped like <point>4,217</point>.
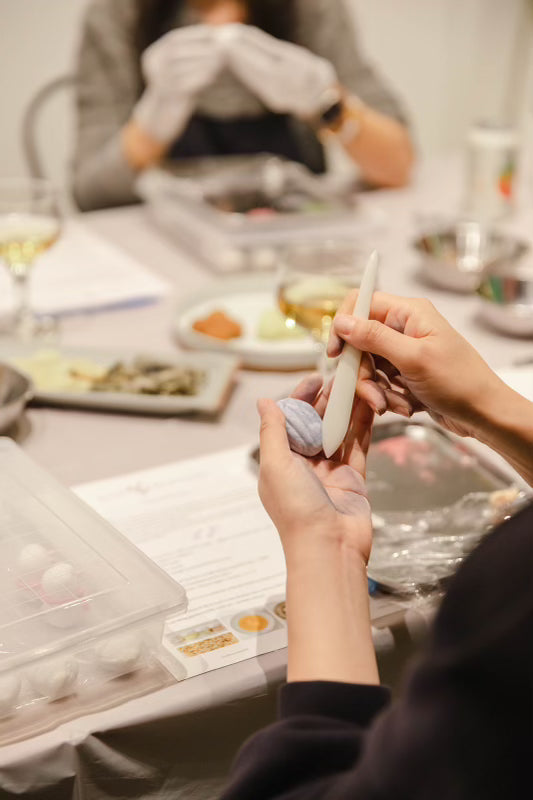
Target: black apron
<point>269,133</point>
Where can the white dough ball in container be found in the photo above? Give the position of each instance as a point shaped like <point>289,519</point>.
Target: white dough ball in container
<point>59,583</point>
<point>55,679</point>
<point>10,686</point>
<point>33,558</point>
<point>121,654</point>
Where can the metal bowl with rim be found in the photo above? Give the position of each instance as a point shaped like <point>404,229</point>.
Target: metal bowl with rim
<point>506,298</point>
<point>16,390</point>
<point>455,257</point>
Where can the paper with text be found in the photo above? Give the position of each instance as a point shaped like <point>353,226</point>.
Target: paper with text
<point>83,272</point>
<point>201,521</point>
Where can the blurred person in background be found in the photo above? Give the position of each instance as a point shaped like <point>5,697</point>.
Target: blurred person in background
<point>182,79</point>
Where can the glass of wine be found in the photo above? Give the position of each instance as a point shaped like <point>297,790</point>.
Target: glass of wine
<point>29,225</point>
<point>313,280</point>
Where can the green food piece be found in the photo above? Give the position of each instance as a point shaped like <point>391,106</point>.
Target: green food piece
<point>274,326</point>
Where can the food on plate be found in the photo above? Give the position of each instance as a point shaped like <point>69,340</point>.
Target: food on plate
<point>274,326</point>
<point>53,372</point>
<point>218,325</point>
<point>145,376</point>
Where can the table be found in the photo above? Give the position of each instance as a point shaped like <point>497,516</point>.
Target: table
<point>181,739</point>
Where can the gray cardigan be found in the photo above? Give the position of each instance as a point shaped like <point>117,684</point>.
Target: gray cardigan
<point>109,85</point>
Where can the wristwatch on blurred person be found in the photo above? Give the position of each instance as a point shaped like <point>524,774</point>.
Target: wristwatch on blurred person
<point>342,116</point>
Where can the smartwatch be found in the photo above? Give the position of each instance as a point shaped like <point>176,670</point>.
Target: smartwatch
<point>332,117</point>
<point>343,118</point>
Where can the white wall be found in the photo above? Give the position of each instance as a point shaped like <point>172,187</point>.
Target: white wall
<point>38,41</point>
<point>452,61</point>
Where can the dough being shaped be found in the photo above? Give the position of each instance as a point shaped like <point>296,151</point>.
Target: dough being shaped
<point>304,426</point>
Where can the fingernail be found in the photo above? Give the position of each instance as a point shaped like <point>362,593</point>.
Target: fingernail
<point>344,324</point>
<point>403,412</point>
<point>261,406</point>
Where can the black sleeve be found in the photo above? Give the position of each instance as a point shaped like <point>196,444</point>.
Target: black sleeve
<point>464,727</point>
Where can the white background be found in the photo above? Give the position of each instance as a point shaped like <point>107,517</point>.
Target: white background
<point>451,60</point>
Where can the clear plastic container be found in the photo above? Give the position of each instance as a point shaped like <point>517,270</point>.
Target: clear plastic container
<point>81,606</point>
<point>235,212</point>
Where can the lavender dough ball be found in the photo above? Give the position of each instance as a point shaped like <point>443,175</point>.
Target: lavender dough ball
<point>304,426</point>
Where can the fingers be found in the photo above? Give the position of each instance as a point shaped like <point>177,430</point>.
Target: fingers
<point>401,404</point>
<point>190,46</point>
<point>368,389</point>
<point>372,336</point>
<point>359,436</point>
<point>308,389</point>
<point>385,308</point>
<point>373,395</point>
<point>274,444</point>
<point>335,342</point>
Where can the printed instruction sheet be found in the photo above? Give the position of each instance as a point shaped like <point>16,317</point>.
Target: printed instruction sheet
<point>201,521</point>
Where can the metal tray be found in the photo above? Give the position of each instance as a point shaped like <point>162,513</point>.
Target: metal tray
<point>426,488</point>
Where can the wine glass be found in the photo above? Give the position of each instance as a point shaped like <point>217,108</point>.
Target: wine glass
<point>313,280</point>
<point>29,225</point>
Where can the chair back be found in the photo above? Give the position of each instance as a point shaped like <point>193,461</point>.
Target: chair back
<point>47,130</point>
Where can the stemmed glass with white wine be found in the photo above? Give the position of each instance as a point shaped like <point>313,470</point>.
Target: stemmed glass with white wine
<point>29,225</point>
<point>313,280</point>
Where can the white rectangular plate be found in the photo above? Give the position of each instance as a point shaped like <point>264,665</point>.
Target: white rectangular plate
<point>219,368</point>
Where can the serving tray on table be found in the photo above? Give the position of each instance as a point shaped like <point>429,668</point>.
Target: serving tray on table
<point>433,498</point>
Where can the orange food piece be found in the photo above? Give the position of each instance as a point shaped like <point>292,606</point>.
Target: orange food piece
<point>219,326</point>
<point>506,185</point>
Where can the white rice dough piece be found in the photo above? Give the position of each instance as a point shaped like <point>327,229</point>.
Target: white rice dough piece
<point>122,654</point>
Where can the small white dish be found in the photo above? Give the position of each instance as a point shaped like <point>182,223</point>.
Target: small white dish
<point>244,299</point>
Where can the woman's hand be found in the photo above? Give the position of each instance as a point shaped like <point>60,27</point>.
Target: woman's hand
<point>176,68</point>
<point>422,363</point>
<point>316,502</point>
<point>287,78</point>
<point>321,511</point>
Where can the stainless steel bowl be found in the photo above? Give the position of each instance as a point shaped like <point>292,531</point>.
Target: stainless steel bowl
<point>506,298</point>
<point>454,258</point>
<point>15,391</point>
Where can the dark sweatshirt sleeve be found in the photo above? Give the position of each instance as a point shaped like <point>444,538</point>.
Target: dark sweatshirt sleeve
<point>319,737</point>
<point>463,729</point>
